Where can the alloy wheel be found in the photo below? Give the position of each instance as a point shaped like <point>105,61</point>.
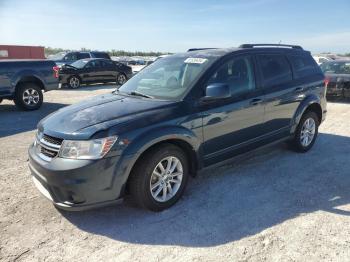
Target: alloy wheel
<point>31,97</point>
<point>166,179</point>
<point>307,132</point>
<point>74,82</point>
<point>121,79</point>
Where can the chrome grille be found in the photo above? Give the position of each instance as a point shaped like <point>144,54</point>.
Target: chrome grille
<point>52,140</point>
<point>48,147</point>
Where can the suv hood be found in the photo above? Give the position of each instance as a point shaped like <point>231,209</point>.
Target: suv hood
<point>80,120</point>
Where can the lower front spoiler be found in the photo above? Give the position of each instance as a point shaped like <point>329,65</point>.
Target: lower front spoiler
<point>71,206</point>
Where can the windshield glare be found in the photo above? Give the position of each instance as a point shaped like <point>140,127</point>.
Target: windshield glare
<point>80,63</point>
<point>336,67</point>
<point>168,78</point>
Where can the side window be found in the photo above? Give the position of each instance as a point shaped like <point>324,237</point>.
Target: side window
<point>93,64</point>
<point>83,55</point>
<point>303,65</point>
<point>107,64</point>
<point>71,57</point>
<point>238,73</point>
<point>100,55</point>
<point>275,69</point>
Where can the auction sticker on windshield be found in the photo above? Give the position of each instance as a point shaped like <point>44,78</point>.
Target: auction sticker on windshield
<point>195,60</point>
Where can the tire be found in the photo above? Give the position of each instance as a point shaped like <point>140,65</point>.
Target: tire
<point>0,100</point>
<point>28,96</point>
<point>121,79</point>
<point>74,82</point>
<point>306,132</point>
<point>143,178</point>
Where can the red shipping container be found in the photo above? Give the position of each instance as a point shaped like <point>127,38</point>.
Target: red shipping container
<point>21,52</point>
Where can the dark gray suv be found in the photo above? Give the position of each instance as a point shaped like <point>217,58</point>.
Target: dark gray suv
<point>180,114</point>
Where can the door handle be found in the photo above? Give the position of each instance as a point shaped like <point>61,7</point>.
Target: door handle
<point>298,89</point>
<point>256,101</point>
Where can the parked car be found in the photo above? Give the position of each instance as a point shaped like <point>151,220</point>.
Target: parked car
<point>181,114</point>
<point>321,59</point>
<point>24,81</point>
<point>337,78</point>
<point>71,57</point>
<point>94,70</point>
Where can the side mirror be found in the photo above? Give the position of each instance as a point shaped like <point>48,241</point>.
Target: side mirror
<point>216,91</point>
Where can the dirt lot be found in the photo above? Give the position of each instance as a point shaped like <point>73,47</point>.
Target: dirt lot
<point>270,205</point>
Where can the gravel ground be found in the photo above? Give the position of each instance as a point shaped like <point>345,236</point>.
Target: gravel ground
<point>269,205</point>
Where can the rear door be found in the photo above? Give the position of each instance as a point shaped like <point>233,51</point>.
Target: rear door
<point>92,72</point>
<point>232,124</point>
<point>108,70</point>
<point>282,94</point>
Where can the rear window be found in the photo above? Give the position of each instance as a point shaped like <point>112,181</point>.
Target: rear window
<point>100,55</point>
<point>336,67</point>
<point>275,69</point>
<point>303,66</point>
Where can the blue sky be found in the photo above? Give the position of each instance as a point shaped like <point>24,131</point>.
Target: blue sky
<point>174,26</point>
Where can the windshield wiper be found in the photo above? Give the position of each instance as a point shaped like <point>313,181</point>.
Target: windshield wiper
<point>137,93</point>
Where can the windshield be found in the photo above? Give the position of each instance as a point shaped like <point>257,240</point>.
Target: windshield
<point>167,78</point>
<point>336,67</point>
<point>80,63</point>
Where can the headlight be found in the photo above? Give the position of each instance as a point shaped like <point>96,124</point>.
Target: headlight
<point>90,149</point>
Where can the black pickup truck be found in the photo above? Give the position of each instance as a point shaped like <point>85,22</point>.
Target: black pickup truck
<point>24,81</point>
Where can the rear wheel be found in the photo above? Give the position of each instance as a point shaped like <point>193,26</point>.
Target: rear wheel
<point>159,178</point>
<point>74,82</point>
<point>306,132</point>
<point>28,96</point>
<point>121,79</point>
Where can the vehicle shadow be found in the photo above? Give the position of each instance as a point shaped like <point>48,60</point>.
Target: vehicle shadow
<point>242,198</point>
<point>14,121</point>
<point>92,87</point>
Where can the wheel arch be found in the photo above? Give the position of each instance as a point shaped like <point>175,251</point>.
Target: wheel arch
<point>76,75</point>
<point>30,79</point>
<point>189,145</point>
<point>310,103</point>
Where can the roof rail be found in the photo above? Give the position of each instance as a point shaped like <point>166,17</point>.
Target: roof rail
<point>270,45</point>
<point>197,49</point>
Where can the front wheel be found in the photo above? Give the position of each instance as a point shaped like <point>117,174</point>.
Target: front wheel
<point>159,178</point>
<point>121,79</point>
<point>306,132</point>
<point>28,96</point>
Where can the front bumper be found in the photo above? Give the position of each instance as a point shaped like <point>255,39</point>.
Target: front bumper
<point>78,184</point>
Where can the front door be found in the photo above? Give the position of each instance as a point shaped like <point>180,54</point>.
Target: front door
<point>231,125</point>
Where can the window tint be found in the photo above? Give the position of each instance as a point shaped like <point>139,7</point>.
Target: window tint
<point>107,63</point>
<point>70,56</point>
<point>100,55</point>
<point>93,64</point>
<point>83,55</point>
<point>275,69</point>
<point>303,65</point>
<point>336,67</point>
<point>238,73</point>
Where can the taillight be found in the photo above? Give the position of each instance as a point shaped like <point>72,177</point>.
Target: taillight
<point>55,71</point>
<point>326,81</point>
